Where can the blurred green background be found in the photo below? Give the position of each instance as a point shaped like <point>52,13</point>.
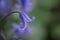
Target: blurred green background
<point>47,23</point>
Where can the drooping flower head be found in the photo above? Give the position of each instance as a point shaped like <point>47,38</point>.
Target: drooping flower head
<point>22,28</point>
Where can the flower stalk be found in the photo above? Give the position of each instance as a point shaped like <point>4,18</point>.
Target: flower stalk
<point>22,29</point>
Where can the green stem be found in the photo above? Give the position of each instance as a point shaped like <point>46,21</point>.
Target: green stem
<point>3,20</point>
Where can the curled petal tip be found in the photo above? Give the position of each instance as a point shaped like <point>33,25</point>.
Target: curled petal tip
<point>25,17</point>
<point>33,18</point>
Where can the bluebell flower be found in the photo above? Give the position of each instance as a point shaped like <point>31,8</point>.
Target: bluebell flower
<point>28,6</point>
<point>25,5</point>
<point>24,17</point>
<point>4,7</point>
<point>18,30</point>
<point>23,29</point>
<point>23,25</point>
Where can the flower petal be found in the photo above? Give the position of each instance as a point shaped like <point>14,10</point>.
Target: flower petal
<point>26,17</point>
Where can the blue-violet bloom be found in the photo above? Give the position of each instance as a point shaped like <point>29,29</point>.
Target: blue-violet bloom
<point>23,29</point>
<point>25,5</point>
<point>4,7</point>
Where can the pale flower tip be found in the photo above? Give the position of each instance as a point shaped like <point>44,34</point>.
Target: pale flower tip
<point>33,18</point>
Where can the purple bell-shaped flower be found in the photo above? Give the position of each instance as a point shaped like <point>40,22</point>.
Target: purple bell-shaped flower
<point>25,5</point>
<point>23,29</point>
<point>4,7</point>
